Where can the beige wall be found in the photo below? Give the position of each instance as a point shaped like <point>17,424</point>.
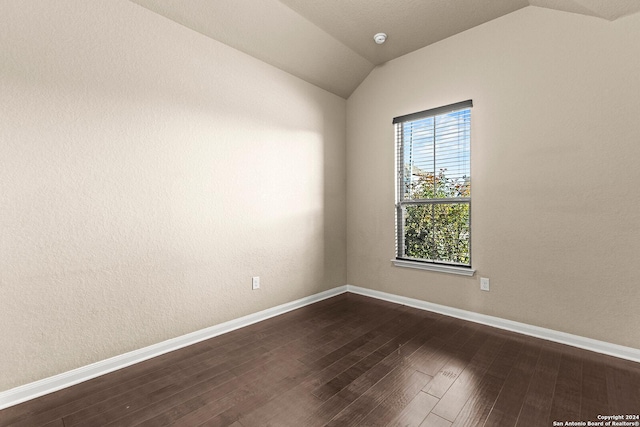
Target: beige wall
<point>555,174</point>
<point>146,173</point>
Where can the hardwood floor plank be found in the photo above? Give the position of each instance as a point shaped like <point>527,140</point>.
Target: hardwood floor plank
<point>418,360</point>
<point>264,396</point>
<point>366,324</point>
<point>54,423</point>
<point>347,377</point>
<point>350,360</point>
<point>459,351</point>
<point>321,358</point>
<point>595,400</point>
<point>477,407</point>
<point>436,355</point>
<point>357,411</point>
<point>539,395</point>
<point>390,358</point>
<point>64,401</point>
<point>623,390</point>
<point>299,402</point>
<point>485,392</point>
<point>135,397</point>
<point>416,411</point>
<point>456,396</point>
<point>507,407</point>
<point>567,394</point>
<point>209,401</point>
<point>332,309</point>
<point>433,420</point>
<point>397,398</point>
<point>195,374</point>
<point>296,346</point>
<point>211,406</point>
<point>257,395</point>
<point>128,405</point>
<point>89,399</point>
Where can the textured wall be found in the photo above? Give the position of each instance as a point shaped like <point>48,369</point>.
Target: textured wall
<point>146,173</point>
<point>555,149</point>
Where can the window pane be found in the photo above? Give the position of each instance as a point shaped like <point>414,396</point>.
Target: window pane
<point>451,232</point>
<point>437,232</point>
<point>418,232</point>
<point>452,146</point>
<point>436,156</point>
<point>434,185</point>
<point>418,155</point>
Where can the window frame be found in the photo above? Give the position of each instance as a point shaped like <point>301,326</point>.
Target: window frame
<point>401,260</point>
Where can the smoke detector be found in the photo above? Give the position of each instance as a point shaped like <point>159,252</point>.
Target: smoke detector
<point>380,38</point>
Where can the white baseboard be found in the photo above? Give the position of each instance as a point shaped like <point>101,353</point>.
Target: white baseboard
<point>39,388</point>
<point>597,346</point>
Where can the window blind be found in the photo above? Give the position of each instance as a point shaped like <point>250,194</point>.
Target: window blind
<point>433,197</point>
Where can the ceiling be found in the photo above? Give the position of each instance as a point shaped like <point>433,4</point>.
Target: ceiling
<point>329,43</point>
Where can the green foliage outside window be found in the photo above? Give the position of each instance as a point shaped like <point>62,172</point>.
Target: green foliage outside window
<point>437,231</point>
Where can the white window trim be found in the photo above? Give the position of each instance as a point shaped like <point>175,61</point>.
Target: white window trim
<point>440,268</point>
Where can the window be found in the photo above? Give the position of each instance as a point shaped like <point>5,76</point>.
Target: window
<point>433,197</point>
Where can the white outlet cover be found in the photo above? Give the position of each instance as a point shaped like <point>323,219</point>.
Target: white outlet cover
<point>255,282</point>
<point>484,284</point>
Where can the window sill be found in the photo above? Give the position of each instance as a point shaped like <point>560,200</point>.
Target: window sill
<point>463,271</point>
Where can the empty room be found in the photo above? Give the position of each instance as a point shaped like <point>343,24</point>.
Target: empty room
<point>319,213</point>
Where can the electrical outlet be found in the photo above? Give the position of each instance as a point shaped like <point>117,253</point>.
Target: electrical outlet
<point>255,282</point>
<point>484,284</point>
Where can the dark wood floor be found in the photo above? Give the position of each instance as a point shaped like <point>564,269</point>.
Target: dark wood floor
<point>349,361</point>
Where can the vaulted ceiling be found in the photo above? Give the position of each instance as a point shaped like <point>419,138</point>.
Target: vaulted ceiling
<point>329,43</point>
